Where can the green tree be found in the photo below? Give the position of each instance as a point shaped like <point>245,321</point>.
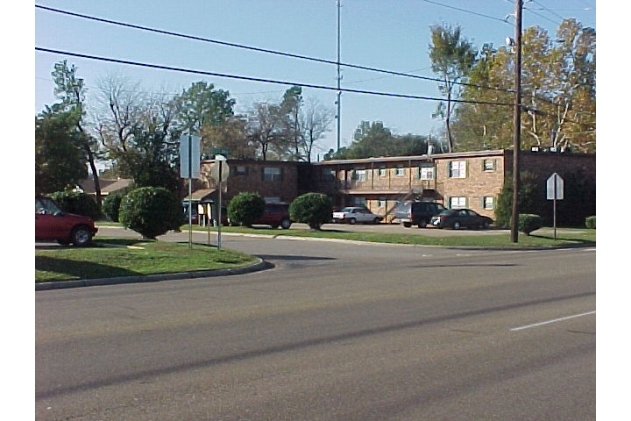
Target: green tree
<point>59,159</point>
<point>245,208</point>
<point>150,211</point>
<point>374,139</point>
<point>452,57</point>
<point>71,90</point>
<point>531,198</point>
<point>558,93</point>
<point>201,105</point>
<point>313,209</point>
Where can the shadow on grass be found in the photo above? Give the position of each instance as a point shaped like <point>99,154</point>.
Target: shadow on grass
<point>576,241</point>
<point>79,270</point>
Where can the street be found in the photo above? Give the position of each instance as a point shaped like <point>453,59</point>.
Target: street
<point>335,331</point>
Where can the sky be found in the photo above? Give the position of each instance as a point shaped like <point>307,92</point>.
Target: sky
<point>391,36</point>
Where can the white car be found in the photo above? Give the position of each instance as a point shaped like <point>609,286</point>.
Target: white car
<point>355,214</point>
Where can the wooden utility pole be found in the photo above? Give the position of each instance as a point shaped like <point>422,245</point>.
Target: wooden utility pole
<point>516,124</point>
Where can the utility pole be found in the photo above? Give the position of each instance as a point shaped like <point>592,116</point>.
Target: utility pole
<point>516,124</point>
<point>338,102</point>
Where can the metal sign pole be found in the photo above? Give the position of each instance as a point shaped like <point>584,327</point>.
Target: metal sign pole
<point>554,207</point>
<point>190,191</point>
<point>219,211</point>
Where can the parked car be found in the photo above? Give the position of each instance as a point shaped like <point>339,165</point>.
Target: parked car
<point>416,213</point>
<point>461,218</point>
<point>275,215</point>
<point>354,214</point>
<point>52,224</point>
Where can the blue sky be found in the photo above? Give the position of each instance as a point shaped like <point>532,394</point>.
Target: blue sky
<point>386,35</point>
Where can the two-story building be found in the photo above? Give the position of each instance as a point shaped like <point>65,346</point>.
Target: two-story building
<point>467,179</point>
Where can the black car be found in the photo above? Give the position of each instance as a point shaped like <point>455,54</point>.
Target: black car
<point>461,218</point>
<point>416,213</point>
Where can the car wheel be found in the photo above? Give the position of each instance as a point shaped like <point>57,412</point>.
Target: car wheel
<point>407,224</point>
<point>376,221</point>
<point>352,221</point>
<point>486,225</point>
<point>81,236</point>
<point>285,224</point>
<point>422,223</point>
<point>456,225</point>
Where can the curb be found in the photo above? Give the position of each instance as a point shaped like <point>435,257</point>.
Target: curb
<point>47,286</point>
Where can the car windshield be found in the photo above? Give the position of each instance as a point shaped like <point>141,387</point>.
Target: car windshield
<point>45,205</point>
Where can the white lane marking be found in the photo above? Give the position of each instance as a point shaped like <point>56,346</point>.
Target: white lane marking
<point>552,321</point>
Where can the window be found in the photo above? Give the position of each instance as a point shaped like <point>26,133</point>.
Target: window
<point>458,169</point>
<point>488,165</point>
<point>381,202</point>
<point>400,171</point>
<point>272,174</point>
<point>241,170</point>
<point>383,172</point>
<point>359,201</point>
<point>488,202</point>
<point>361,175</point>
<point>426,173</point>
<point>457,202</point>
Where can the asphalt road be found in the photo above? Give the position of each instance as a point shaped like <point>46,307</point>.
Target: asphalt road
<point>336,331</point>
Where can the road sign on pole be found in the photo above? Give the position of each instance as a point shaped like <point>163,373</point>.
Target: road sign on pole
<point>190,158</point>
<point>554,193</point>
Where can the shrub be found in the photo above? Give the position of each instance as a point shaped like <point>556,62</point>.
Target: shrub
<point>531,198</point>
<point>77,203</point>
<point>111,205</point>
<point>529,223</point>
<point>150,211</point>
<point>314,209</point>
<point>245,208</point>
<point>590,222</point>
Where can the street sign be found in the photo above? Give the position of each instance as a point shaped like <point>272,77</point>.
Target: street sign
<point>220,169</point>
<point>555,187</point>
<point>189,156</point>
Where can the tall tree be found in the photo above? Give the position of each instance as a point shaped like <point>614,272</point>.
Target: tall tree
<point>59,158</point>
<point>452,57</point>
<point>558,93</point>
<point>315,122</point>
<point>265,129</point>
<point>290,108</point>
<point>231,136</point>
<point>71,90</point>
<point>202,105</point>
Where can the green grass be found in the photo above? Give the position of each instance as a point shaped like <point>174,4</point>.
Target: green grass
<point>114,257</point>
<point>540,238</point>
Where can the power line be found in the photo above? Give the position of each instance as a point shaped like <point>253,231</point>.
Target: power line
<point>257,49</point>
<point>263,80</point>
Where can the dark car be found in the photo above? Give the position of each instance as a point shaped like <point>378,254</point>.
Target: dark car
<point>275,215</point>
<point>461,218</point>
<point>416,213</point>
<point>52,224</point>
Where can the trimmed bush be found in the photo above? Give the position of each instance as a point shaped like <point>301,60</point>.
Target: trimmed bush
<point>590,222</point>
<point>529,223</point>
<point>77,203</point>
<point>245,208</point>
<point>313,209</point>
<point>150,211</point>
<point>111,205</point>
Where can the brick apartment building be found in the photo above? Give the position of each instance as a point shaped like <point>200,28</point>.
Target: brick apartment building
<point>467,179</point>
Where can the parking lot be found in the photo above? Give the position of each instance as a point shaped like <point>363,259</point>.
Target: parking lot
<point>398,228</point>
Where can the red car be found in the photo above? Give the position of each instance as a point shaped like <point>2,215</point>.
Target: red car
<point>275,215</point>
<point>52,224</point>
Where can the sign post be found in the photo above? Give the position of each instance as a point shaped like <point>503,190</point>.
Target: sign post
<point>554,192</point>
<point>220,173</point>
<point>189,168</point>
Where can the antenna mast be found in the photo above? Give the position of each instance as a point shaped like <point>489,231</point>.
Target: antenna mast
<point>338,102</point>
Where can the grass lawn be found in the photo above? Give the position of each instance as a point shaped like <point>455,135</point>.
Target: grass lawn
<point>114,257</point>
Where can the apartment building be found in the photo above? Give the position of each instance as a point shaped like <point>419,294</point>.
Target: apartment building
<point>467,179</point>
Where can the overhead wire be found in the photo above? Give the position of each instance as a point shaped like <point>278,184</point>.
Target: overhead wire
<point>258,49</point>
